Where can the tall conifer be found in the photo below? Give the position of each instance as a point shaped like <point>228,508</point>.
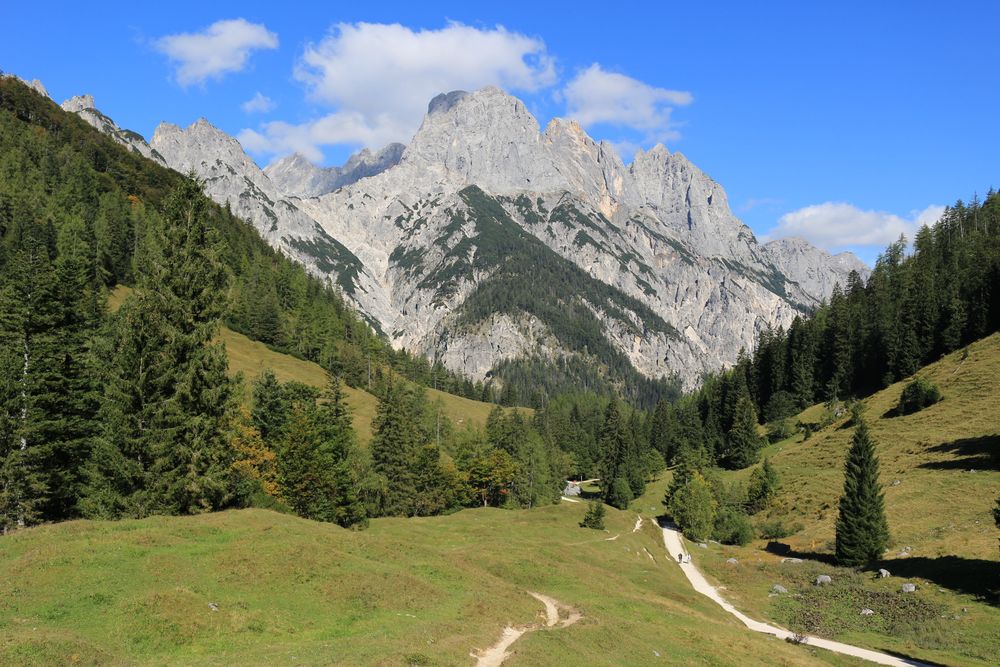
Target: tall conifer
<point>862,529</point>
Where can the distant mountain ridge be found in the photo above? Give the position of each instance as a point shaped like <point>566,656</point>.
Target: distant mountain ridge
<point>652,273</point>
<point>294,175</point>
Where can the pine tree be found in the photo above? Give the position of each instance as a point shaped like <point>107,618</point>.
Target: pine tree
<point>168,407</point>
<point>614,445</point>
<point>394,449</point>
<point>743,442</point>
<point>862,530</point>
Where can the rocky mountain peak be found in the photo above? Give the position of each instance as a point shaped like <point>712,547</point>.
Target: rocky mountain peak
<point>815,269</point>
<point>296,176</point>
<point>78,103</point>
<point>444,101</point>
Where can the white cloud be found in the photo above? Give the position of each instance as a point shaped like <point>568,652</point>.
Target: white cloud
<point>222,47</point>
<point>837,225</point>
<point>597,96</point>
<point>259,103</point>
<point>378,79</point>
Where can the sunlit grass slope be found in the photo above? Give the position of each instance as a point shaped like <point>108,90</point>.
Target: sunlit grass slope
<point>253,587</point>
<point>251,357</point>
<point>940,471</point>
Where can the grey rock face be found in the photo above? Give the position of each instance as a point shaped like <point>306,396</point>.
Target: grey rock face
<point>823,580</point>
<point>815,270</point>
<point>231,177</point>
<point>908,588</point>
<point>778,589</point>
<point>690,284</point>
<point>297,177</point>
<point>83,106</point>
<point>867,612</point>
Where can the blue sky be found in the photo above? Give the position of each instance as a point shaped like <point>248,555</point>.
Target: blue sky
<point>842,122</point>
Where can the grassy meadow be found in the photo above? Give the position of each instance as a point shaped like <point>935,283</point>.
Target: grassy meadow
<point>941,471</point>
<point>426,591</point>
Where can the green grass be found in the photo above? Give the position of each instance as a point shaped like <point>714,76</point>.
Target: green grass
<point>406,591</point>
<point>938,508</point>
<point>251,357</point>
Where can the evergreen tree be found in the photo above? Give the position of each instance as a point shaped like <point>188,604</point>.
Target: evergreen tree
<point>270,406</point>
<point>168,408</point>
<point>594,518</point>
<point>394,449</point>
<point>49,309</point>
<point>614,446</point>
<point>862,530</point>
<point>743,442</point>
<point>762,487</point>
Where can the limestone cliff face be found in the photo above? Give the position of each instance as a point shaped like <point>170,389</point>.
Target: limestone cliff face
<point>815,270</point>
<point>488,240</point>
<point>295,175</point>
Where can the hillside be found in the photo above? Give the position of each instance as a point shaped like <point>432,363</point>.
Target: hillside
<point>941,475</point>
<point>251,357</point>
<point>403,592</point>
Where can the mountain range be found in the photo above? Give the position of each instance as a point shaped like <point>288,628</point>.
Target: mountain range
<point>497,247</point>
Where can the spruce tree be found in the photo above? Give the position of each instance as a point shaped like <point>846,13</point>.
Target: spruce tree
<point>270,406</point>
<point>48,312</point>
<point>743,442</point>
<point>394,449</point>
<point>862,530</point>
<point>168,408</point>
<point>614,446</point>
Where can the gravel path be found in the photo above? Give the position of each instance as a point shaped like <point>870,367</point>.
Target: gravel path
<point>496,654</point>
<point>674,543</point>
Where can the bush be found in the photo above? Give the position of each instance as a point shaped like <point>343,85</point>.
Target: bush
<point>918,395</point>
<point>776,529</point>
<point>619,493</point>
<point>779,430</point>
<point>732,527</point>
<point>693,508</point>
<point>594,518</point>
<point>762,488</point>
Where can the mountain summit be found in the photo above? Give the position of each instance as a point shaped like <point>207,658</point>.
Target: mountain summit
<point>500,249</point>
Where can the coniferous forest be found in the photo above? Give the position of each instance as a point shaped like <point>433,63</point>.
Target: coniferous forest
<point>130,412</point>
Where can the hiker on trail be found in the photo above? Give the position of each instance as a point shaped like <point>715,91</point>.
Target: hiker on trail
<point>680,558</point>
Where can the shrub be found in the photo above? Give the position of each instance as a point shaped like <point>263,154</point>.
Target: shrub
<point>918,395</point>
<point>779,430</point>
<point>776,529</point>
<point>619,493</point>
<point>693,508</point>
<point>762,488</point>
<point>732,527</point>
<point>594,518</point>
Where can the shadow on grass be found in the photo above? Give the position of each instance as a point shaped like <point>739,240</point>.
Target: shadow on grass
<point>785,550</point>
<point>981,453</point>
<point>971,576</point>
